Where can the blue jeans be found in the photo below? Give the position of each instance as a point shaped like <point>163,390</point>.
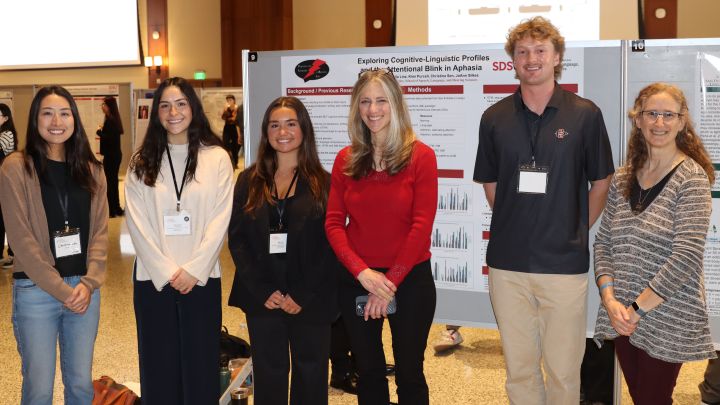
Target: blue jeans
<point>39,322</point>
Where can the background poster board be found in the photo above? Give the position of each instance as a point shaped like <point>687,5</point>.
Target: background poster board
<point>447,88</point>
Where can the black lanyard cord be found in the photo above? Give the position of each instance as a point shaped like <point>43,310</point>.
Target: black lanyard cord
<point>178,192</point>
<point>280,207</point>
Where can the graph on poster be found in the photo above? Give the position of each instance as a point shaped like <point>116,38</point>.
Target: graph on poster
<point>456,198</point>
<point>451,236</point>
<point>451,270</point>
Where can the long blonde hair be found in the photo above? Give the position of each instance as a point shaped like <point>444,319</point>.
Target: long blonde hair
<point>398,147</point>
<point>687,140</point>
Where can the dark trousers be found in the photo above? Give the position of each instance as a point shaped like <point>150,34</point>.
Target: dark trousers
<point>597,373</point>
<point>230,140</point>
<point>178,343</point>
<point>111,164</point>
<point>710,387</point>
<point>650,381</point>
<point>410,327</point>
<point>309,345</point>
<point>340,354</point>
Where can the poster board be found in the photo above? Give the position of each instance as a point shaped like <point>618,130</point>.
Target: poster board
<point>447,88</point>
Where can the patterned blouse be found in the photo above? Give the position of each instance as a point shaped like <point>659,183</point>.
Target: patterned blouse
<point>661,248</point>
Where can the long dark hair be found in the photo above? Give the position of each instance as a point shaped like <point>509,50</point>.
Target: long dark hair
<point>113,113</point>
<point>687,139</point>
<point>8,125</point>
<point>145,163</point>
<point>262,173</point>
<point>78,155</point>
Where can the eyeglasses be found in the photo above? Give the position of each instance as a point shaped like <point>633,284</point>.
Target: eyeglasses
<point>667,116</point>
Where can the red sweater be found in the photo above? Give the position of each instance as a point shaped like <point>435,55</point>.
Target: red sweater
<point>390,217</point>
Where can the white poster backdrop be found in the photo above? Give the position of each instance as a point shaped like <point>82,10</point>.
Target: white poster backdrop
<point>213,102</point>
<point>89,99</point>
<point>707,102</point>
<point>446,92</point>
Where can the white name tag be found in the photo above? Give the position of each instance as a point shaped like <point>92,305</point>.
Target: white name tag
<point>67,243</point>
<point>533,180</point>
<point>278,243</point>
<point>177,223</point>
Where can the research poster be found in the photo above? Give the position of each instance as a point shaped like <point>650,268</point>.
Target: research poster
<point>89,99</point>
<point>446,93</point>
<point>706,115</point>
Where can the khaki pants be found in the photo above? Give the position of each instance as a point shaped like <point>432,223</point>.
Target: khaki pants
<point>541,317</point>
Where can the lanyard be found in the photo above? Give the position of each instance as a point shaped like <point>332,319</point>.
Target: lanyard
<point>62,199</point>
<point>178,192</point>
<point>537,124</point>
<point>280,207</point>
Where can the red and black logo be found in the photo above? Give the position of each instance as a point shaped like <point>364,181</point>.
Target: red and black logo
<point>312,69</point>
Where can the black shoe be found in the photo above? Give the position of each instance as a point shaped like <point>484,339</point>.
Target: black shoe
<point>389,369</point>
<point>119,212</point>
<point>347,383</point>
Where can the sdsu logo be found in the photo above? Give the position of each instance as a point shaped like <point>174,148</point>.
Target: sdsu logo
<point>312,69</point>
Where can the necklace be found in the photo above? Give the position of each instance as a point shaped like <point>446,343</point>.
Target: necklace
<point>641,199</point>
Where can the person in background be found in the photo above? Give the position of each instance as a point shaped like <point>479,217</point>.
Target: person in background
<point>650,245</point>
<point>231,130</point>
<point>56,213</point>
<point>286,272</point>
<point>178,193</point>
<point>380,214</point>
<point>8,144</point>
<point>111,150</point>
<point>545,163</point>
<point>710,386</point>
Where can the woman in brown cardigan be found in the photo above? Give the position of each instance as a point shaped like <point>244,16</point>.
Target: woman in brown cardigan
<point>55,211</point>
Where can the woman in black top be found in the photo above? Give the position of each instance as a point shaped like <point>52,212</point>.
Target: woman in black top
<point>285,276</point>
<point>8,144</point>
<point>111,150</point>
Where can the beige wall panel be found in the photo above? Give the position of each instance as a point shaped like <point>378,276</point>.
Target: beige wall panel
<point>698,19</point>
<point>194,37</point>
<point>328,24</point>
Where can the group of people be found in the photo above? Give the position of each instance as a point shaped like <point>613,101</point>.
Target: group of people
<point>309,245</point>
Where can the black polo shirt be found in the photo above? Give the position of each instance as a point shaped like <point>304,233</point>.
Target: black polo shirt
<point>542,233</point>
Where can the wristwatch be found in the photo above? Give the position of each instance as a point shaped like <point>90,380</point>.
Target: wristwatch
<point>637,309</point>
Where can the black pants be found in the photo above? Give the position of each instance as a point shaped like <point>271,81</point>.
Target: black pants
<point>309,346</point>
<point>597,373</point>
<point>111,164</point>
<point>340,355</point>
<point>230,140</point>
<point>178,343</point>
<point>410,327</point>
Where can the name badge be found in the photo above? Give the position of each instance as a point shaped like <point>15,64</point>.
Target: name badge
<point>533,179</point>
<point>278,242</point>
<point>177,223</point>
<point>67,242</point>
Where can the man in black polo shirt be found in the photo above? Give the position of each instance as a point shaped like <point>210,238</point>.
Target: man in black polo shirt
<point>539,149</point>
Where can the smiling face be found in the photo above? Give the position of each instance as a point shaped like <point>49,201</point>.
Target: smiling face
<point>375,109</point>
<point>535,61</point>
<point>55,124</point>
<point>284,133</point>
<point>175,114</point>
<point>660,133</point>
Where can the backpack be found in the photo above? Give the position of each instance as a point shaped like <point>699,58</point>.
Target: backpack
<point>108,392</point>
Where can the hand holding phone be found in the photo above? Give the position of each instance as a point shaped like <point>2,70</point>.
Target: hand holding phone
<point>361,301</point>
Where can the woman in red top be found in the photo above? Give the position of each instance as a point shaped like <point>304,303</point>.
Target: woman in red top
<point>380,213</point>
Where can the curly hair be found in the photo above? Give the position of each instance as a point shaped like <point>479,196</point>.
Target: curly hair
<point>397,151</point>
<point>540,29</point>
<point>687,139</point>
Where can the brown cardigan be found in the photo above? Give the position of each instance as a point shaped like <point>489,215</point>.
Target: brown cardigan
<point>27,230</point>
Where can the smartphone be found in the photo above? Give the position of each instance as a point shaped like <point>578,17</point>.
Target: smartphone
<point>361,301</point>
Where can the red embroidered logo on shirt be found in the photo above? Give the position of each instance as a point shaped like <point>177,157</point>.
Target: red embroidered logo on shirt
<point>561,133</point>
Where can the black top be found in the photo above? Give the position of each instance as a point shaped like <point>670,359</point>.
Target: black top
<point>640,198</point>
<point>309,269</point>
<point>551,229</point>
<point>110,139</point>
<point>57,179</point>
